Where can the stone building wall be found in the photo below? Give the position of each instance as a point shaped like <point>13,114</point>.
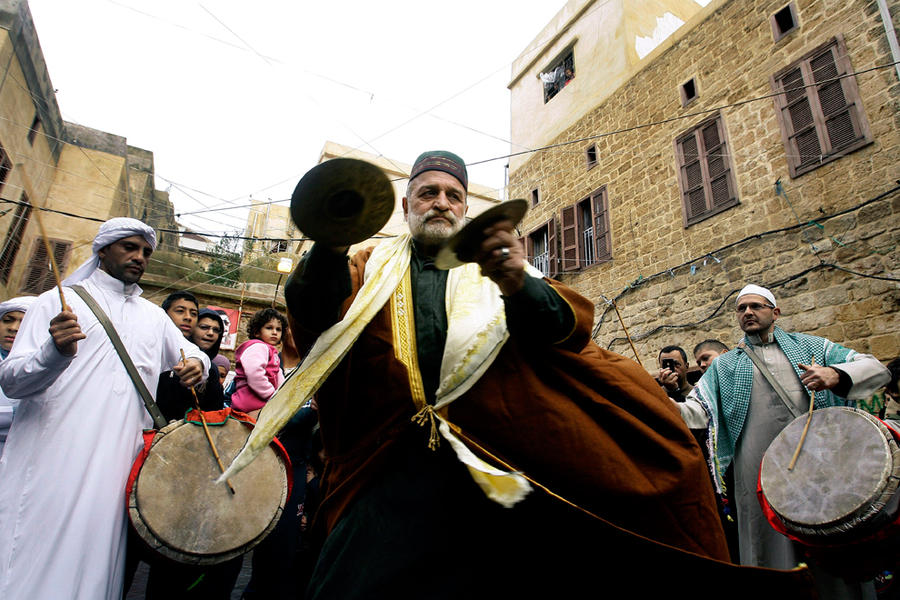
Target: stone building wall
<point>821,240</point>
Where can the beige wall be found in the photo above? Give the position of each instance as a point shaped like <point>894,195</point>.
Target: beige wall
<point>730,50</point>
<point>71,168</point>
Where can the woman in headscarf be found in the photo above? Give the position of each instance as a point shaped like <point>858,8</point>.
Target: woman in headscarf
<point>11,314</point>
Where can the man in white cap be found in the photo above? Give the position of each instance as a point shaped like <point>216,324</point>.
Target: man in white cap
<point>78,425</point>
<point>747,414</point>
<point>11,314</point>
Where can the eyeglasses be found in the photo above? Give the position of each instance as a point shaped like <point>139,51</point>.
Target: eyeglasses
<point>753,306</point>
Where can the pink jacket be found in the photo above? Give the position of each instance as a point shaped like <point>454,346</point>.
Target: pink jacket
<point>257,374</point>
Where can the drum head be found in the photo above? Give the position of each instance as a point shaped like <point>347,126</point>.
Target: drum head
<point>179,510</point>
<point>844,474</point>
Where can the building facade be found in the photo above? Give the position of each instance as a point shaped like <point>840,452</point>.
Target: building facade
<point>78,174</point>
<point>758,142</point>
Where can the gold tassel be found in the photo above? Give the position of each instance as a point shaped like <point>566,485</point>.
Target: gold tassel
<point>427,413</point>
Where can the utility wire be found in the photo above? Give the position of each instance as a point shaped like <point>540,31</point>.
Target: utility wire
<point>670,271</point>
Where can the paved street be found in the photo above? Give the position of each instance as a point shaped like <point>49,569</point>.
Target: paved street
<point>140,581</point>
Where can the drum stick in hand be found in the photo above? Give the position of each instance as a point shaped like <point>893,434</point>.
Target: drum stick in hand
<point>812,401</point>
<point>206,430</point>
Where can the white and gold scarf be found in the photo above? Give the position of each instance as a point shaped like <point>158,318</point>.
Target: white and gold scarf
<point>476,332</point>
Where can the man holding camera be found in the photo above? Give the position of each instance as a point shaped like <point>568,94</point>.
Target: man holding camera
<point>672,375</point>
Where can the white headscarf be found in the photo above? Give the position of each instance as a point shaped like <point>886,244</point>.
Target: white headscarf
<point>21,304</point>
<point>112,231</point>
<point>759,291</point>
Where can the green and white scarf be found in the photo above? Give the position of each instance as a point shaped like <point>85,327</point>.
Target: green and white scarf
<point>724,390</point>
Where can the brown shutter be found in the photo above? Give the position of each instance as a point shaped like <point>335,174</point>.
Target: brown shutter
<point>552,251</point>
<point>569,239</point>
<point>529,249</point>
<point>14,239</point>
<point>798,113</point>
<point>5,167</point>
<point>721,191</point>
<point>824,120</point>
<point>840,128</point>
<point>602,243</point>
<point>39,274</point>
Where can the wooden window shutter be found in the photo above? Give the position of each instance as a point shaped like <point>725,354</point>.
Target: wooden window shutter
<point>39,274</point>
<point>552,252</point>
<point>819,110</point>
<point>602,242</point>
<point>5,167</point>
<point>529,249</point>
<point>721,191</point>
<point>705,173</point>
<point>569,239</point>
<point>842,129</point>
<point>14,239</point>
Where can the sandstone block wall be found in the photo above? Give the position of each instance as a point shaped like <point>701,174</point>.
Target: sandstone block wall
<point>826,241</point>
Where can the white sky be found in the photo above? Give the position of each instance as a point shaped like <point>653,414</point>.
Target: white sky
<point>236,99</point>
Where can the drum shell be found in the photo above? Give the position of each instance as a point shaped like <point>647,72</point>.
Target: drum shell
<point>859,542</point>
<point>179,511</point>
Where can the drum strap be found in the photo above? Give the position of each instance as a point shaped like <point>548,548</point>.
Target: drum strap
<point>158,419</point>
<point>779,391</point>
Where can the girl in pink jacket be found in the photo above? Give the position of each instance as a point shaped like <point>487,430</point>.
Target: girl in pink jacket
<point>257,365</point>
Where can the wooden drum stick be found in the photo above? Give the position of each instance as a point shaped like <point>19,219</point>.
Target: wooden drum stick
<point>206,429</point>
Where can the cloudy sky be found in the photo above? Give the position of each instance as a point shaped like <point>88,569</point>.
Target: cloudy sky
<point>236,99</point>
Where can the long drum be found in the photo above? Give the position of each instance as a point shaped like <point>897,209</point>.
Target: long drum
<point>181,513</point>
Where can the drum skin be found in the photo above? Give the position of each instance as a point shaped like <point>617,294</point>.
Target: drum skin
<point>845,476</point>
<point>179,510</point>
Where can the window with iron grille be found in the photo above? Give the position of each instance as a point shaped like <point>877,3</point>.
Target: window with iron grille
<point>14,238</point>
<point>584,232</point>
<point>540,248</point>
<point>705,173</point>
<point>819,108</point>
<point>39,274</point>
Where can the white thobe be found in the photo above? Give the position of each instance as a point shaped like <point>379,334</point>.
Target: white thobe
<point>76,434</point>
<point>760,544</point>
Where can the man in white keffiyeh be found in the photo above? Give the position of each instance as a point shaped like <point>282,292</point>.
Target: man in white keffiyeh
<point>77,428</point>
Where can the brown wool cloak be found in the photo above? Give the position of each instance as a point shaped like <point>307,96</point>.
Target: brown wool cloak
<point>590,425</point>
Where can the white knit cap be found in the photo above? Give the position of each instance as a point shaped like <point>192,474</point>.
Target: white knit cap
<point>111,231</point>
<point>759,291</point>
<point>22,304</point>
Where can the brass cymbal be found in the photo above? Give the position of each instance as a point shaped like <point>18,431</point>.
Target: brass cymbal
<point>462,246</point>
<point>342,201</point>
